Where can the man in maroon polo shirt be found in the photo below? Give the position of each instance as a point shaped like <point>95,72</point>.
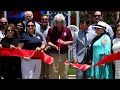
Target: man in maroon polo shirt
<point>58,38</point>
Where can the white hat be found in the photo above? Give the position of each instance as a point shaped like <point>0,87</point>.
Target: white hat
<point>100,24</point>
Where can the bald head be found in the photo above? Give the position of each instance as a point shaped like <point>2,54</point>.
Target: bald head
<point>28,15</point>
<point>3,19</point>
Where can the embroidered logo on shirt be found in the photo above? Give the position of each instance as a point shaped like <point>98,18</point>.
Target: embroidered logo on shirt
<point>64,34</point>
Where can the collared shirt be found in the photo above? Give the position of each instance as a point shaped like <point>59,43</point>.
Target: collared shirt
<point>31,42</point>
<point>54,35</point>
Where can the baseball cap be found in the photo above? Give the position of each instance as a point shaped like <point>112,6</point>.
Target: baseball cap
<point>100,24</point>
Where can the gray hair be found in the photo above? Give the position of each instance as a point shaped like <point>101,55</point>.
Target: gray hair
<point>58,16</point>
<point>30,13</point>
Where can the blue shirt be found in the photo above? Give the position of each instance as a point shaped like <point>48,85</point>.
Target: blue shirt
<point>31,42</point>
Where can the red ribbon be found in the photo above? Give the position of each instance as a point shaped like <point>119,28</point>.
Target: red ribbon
<point>26,53</point>
<point>83,67</point>
<point>107,59</point>
<point>59,44</point>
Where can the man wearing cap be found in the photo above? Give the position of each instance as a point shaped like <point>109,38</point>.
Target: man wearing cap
<point>96,19</point>
<point>100,46</point>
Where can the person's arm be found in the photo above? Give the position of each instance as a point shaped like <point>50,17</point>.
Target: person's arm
<point>52,45</point>
<point>42,47</point>
<point>48,39</point>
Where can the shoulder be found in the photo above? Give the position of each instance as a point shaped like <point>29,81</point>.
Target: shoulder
<point>37,24</point>
<point>66,28</point>
<point>116,40</point>
<point>37,34</point>
<point>105,37</point>
<point>24,34</point>
<point>90,27</point>
<point>108,26</point>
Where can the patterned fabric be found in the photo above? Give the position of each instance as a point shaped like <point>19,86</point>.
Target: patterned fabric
<point>98,51</point>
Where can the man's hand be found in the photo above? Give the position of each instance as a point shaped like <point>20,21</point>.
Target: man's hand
<point>61,41</point>
<point>75,61</point>
<point>38,49</point>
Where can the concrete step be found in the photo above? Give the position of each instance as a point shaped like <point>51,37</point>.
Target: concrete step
<point>71,76</point>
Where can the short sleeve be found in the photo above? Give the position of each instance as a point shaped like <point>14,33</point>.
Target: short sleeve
<point>23,38</point>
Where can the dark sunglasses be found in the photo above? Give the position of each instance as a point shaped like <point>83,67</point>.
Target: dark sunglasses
<point>57,22</point>
<point>44,19</point>
<point>11,30</point>
<point>30,25</point>
<point>97,15</point>
<point>4,22</point>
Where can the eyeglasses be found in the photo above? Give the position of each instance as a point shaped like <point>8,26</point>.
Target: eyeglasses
<point>59,22</point>
<point>30,25</point>
<point>44,19</point>
<point>97,15</point>
<point>10,30</point>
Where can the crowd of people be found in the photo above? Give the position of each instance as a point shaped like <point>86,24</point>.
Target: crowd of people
<point>89,45</point>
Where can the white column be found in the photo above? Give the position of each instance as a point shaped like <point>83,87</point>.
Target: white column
<point>69,19</point>
<point>77,18</point>
<point>49,17</point>
<point>48,12</point>
<point>5,14</point>
<point>118,15</point>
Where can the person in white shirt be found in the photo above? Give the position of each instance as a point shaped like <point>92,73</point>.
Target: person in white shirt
<point>3,26</point>
<point>116,48</point>
<point>96,19</point>
<point>29,16</point>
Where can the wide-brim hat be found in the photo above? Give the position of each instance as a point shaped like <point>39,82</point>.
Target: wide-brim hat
<point>100,24</point>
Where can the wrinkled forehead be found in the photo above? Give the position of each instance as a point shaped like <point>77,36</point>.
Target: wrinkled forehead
<point>97,13</point>
<point>59,19</point>
<point>28,14</point>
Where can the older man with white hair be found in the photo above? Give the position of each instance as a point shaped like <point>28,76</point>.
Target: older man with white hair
<point>29,16</point>
<point>58,38</point>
